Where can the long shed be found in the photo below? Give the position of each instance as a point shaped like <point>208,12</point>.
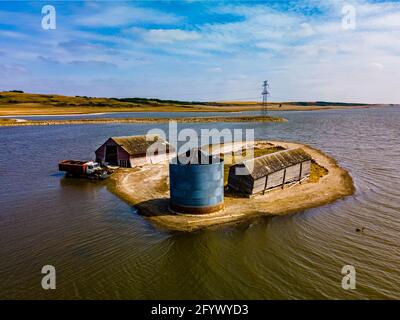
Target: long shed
<point>132,151</point>
<point>269,171</point>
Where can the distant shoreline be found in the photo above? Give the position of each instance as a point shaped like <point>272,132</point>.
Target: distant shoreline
<point>56,115</point>
<point>19,104</point>
<point>7,112</point>
<point>18,123</point>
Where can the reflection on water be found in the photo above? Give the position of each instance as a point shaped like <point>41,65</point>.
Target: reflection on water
<point>101,248</point>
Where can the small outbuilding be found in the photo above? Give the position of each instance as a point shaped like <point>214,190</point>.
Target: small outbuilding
<point>132,151</point>
<point>269,171</point>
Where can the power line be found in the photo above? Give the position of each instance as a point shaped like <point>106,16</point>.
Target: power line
<point>265,94</point>
<point>238,99</point>
<point>187,94</point>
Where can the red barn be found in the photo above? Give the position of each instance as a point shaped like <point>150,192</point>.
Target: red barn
<point>133,151</point>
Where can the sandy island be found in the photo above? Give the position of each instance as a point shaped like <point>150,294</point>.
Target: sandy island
<point>7,122</point>
<point>146,189</point>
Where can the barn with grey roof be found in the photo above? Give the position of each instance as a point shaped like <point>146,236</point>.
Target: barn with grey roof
<point>133,151</point>
<point>269,171</point>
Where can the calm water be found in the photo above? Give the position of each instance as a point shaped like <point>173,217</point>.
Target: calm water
<point>102,249</point>
<point>138,115</point>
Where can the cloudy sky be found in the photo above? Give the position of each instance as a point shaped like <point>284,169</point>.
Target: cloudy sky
<point>205,50</point>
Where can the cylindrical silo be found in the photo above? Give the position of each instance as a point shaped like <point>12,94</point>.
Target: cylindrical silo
<point>197,184</point>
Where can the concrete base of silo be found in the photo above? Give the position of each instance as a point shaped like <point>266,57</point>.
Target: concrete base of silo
<point>174,208</point>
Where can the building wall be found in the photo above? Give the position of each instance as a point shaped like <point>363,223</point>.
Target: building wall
<point>306,169</point>
<point>100,153</point>
<point>246,184</point>
<point>162,157</point>
<point>121,153</point>
<point>130,161</point>
<point>240,183</point>
<point>197,188</point>
<point>140,161</point>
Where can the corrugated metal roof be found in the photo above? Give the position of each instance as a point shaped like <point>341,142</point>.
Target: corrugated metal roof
<point>137,145</point>
<point>270,163</point>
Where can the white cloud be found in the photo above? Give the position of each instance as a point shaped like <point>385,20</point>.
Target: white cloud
<point>215,69</point>
<point>383,21</point>
<point>305,56</point>
<point>376,66</point>
<point>117,16</point>
<point>12,34</point>
<point>165,35</point>
<point>10,70</point>
<point>306,30</point>
<point>269,45</point>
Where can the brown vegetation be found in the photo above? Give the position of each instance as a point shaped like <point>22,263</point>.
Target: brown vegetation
<point>17,103</point>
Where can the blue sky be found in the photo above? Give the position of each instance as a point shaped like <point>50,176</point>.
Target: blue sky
<point>204,50</point>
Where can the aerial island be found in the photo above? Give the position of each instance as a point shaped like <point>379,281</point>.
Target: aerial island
<point>288,177</point>
<point>147,187</point>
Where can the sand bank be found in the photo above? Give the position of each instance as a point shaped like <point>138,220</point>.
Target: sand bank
<point>13,122</point>
<point>56,115</point>
<point>146,188</point>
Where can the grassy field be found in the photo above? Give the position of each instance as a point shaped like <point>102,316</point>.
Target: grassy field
<point>18,103</point>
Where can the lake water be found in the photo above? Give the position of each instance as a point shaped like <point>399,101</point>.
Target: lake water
<point>102,249</point>
<point>118,115</point>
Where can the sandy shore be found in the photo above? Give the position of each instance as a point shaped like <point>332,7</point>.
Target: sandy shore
<point>34,109</point>
<point>55,115</point>
<point>146,188</point>
<point>17,122</point>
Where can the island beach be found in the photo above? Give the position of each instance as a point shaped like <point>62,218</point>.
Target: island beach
<point>146,189</point>
<point>6,122</point>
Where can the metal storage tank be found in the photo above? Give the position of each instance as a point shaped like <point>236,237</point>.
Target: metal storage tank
<point>196,183</point>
